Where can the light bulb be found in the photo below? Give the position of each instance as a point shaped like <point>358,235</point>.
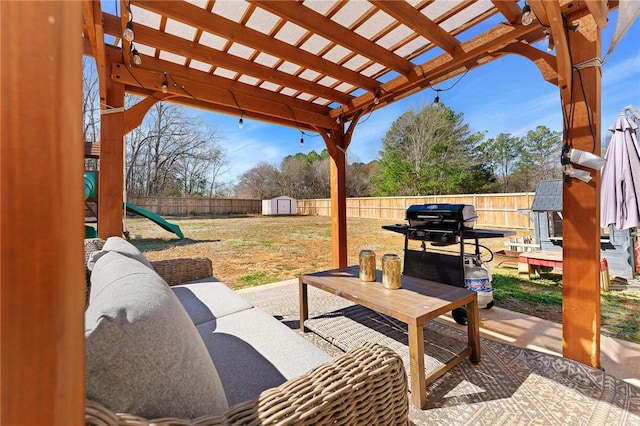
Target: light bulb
<point>527,15</point>
<point>241,122</point>
<point>136,57</point>
<point>127,34</point>
<point>301,142</point>
<point>165,84</point>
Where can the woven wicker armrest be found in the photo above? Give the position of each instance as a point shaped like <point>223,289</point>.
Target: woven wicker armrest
<point>178,271</point>
<point>365,386</point>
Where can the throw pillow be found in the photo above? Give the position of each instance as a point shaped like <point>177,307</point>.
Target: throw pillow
<point>144,355</point>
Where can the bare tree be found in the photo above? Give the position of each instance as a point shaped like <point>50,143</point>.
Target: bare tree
<point>90,107</point>
<point>258,182</point>
<point>172,153</point>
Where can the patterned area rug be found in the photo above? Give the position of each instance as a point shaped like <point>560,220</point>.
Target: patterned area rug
<point>511,385</point>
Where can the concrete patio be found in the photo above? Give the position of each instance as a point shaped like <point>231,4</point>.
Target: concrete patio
<point>522,380</point>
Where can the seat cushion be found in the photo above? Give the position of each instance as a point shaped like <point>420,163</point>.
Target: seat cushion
<point>253,344</point>
<point>144,355</point>
<point>208,299</point>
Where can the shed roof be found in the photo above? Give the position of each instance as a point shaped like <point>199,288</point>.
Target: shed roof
<point>548,196</point>
<point>279,196</point>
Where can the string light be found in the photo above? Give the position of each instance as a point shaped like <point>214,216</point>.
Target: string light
<point>128,34</point>
<point>136,56</point>
<point>527,15</point>
<point>437,99</point>
<point>165,84</point>
<point>241,121</point>
<point>301,139</point>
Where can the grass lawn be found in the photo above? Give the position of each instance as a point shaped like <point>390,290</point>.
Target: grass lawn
<point>620,310</point>
<point>254,250</point>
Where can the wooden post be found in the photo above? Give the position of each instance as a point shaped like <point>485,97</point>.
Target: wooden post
<point>339,207</point>
<point>42,214</point>
<point>111,178</point>
<point>581,207</point>
<point>336,146</point>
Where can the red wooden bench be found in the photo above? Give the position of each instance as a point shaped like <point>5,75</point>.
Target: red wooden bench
<point>533,262</point>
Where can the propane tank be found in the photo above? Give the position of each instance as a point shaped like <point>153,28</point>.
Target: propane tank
<point>477,279</point>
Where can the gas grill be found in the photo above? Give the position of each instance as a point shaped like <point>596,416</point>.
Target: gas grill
<point>442,225</point>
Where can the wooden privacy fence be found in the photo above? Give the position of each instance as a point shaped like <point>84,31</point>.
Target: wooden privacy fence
<point>185,206</point>
<point>494,210</point>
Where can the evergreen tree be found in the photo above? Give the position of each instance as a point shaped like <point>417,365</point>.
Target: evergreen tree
<point>431,152</point>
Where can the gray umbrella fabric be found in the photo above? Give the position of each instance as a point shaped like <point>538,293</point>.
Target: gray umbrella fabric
<point>620,185</point>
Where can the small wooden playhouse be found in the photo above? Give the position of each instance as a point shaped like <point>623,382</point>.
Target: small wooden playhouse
<point>617,246</point>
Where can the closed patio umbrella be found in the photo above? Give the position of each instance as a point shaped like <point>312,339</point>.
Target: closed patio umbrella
<point>620,188</point>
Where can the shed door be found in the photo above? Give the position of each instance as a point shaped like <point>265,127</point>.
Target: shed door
<point>284,206</point>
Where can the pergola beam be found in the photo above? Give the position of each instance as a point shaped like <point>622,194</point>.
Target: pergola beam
<point>319,24</point>
<point>217,95</point>
<point>600,11</point>
<point>509,9</point>
<point>404,12</point>
<point>563,57</point>
<point>545,62</point>
<point>154,68</point>
<point>444,67</point>
<point>174,44</point>
<point>198,17</point>
<point>92,14</point>
<point>125,18</point>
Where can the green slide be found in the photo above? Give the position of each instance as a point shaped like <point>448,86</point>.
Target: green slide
<point>155,218</point>
<point>90,186</point>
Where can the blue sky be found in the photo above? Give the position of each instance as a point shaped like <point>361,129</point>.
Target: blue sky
<point>508,95</point>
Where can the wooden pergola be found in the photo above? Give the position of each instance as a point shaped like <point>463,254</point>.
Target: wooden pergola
<point>316,66</point>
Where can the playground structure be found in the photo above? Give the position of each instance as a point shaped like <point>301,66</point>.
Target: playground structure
<point>91,196</point>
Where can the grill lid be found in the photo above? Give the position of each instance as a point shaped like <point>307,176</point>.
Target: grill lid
<point>454,217</point>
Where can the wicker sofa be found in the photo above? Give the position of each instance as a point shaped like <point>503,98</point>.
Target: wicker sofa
<point>194,352</point>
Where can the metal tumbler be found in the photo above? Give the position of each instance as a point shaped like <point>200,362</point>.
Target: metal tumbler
<point>391,271</point>
<point>367,265</point>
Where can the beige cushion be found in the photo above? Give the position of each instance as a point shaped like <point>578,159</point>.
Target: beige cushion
<point>144,355</point>
<point>124,247</point>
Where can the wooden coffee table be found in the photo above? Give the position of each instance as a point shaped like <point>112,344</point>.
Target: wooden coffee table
<point>416,303</point>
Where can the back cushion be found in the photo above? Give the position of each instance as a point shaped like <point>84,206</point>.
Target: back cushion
<point>144,355</point>
<point>124,247</point>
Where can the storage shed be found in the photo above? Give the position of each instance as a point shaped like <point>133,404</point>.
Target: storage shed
<point>546,213</point>
<point>280,205</point>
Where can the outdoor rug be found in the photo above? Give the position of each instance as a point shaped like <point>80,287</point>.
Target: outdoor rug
<point>510,386</point>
